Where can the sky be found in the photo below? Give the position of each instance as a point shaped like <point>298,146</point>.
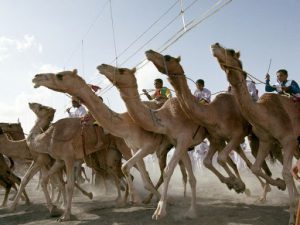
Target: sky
<point>51,36</point>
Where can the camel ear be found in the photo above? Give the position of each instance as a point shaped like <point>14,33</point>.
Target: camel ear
<point>238,54</point>
<point>178,59</point>
<point>75,72</point>
<point>133,70</point>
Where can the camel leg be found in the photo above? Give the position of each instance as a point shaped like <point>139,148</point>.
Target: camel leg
<point>265,186</point>
<point>264,147</point>
<point>238,184</point>
<point>7,190</point>
<point>61,186</point>
<point>213,147</point>
<point>84,174</point>
<point>138,157</point>
<point>33,169</point>
<point>184,176</point>
<point>27,201</point>
<point>119,201</point>
<point>84,192</point>
<point>39,182</point>
<point>162,161</point>
<point>148,185</point>
<point>290,146</point>
<point>70,188</point>
<point>45,178</point>
<point>191,213</point>
<point>182,146</point>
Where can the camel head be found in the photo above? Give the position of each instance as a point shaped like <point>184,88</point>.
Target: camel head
<point>226,57</point>
<point>121,77</point>
<point>164,63</point>
<point>65,81</point>
<point>229,61</point>
<point>42,111</point>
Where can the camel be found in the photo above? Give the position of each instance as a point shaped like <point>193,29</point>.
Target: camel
<point>13,149</point>
<point>9,180</point>
<point>140,141</point>
<point>274,118</point>
<point>169,120</point>
<point>222,119</point>
<point>71,136</point>
<point>8,132</point>
<point>44,116</point>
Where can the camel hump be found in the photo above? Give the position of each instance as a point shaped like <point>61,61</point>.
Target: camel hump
<point>65,129</point>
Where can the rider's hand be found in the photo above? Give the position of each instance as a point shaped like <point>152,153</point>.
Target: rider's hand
<point>267,76</point>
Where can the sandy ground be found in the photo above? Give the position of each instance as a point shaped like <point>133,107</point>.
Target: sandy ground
<point>216,205</point>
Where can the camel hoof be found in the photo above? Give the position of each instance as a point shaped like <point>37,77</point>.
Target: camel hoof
<point>247,192</point>
<point>239,186</point>
<point>281,184</point>
<point>262,200</point>
<point>160,211</point>
<point>64,217</point>
<point>90,195</point>
<point>54,212</point>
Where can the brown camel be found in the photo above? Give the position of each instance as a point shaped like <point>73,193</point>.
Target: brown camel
<point>169,120</point>
<point>17,149</point>
<point>12,131</point>
<point>273,117</point>
<point>42,161</point>
<point>140,141</point>
<point>67,141</point>
<point>222,119</point>
<point>8,180</point>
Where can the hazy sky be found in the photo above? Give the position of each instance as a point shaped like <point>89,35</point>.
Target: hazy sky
<point>50,36</point>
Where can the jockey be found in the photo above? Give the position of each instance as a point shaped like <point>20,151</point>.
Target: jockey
<point>283,85</point>
<point>161,93</point>
<point>202,94</point>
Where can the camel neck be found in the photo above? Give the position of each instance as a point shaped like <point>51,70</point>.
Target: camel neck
<point>140,113</point>
<point>107,118</point>
<point>239,87</point>
<point>41,125</point>
<point>194,110</point>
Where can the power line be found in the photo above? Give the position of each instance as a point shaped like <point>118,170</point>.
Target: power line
<point>77,46</point>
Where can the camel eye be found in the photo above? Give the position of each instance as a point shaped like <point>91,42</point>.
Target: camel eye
<point>167,58</point>
<point>121,71</point>
<point>59,76</point>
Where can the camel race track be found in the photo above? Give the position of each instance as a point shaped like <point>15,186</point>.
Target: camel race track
<point>216,205</point>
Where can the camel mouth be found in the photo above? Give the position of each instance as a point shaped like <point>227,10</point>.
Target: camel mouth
<point>149,54</point>
<point>34,81</point>
<point>36,85</point>
<point>101,68</point>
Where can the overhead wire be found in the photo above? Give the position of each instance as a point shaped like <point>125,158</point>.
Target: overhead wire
<point>76,48</point>
<point>106,89</point>
<point>192,24</point>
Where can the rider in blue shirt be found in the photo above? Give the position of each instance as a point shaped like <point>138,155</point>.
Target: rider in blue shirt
<point>283,84</point>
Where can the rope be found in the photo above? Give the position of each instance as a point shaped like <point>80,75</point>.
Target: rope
<point>149,28</point>
<point>113,30</point>
<point>71,55</point>
<point>182,15</point>
<point>82,56</point>
<point>160,31</point>
<point>214,9</point>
